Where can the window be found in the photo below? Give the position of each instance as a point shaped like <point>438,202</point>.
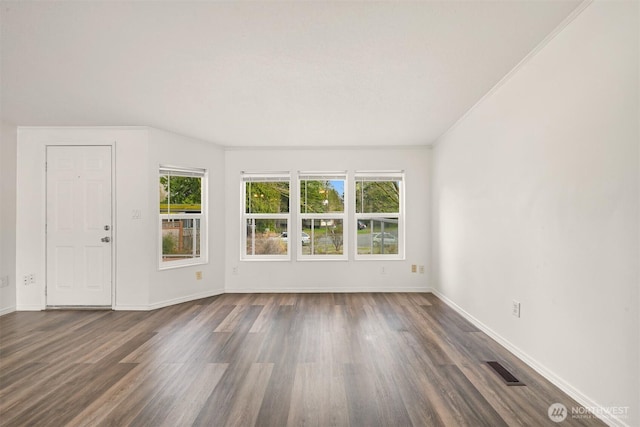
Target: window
<point>379,215</point>
<point>182,217</point>
<point>321,216</point>
<point>266,215</point>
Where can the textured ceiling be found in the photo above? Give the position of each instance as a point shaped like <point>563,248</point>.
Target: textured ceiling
<point>264,73</point>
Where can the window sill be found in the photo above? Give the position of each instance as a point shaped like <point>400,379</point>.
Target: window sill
<point>181,264</point>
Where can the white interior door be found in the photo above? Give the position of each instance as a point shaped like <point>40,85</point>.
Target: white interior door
<point>79,228</point>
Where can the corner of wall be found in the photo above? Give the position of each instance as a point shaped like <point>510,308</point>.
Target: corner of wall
<point>8,189</point>
<point>167,148</point>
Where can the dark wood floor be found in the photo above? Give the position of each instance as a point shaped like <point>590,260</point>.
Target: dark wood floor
<point>269,360</point>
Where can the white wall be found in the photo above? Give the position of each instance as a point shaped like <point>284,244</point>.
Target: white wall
<point>8,144</point>
<point>133,242</point>
<point>535,199</point>
<point>138,151</point>
<point>180,284</point>
<point>327,276</point>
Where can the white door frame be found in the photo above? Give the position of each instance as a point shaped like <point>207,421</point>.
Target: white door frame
<point>114,225</point>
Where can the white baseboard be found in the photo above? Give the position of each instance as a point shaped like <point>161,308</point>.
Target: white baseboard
<point>167,303</point>
<point>548,374</point>
<point>29,307</point>
<point>324,290</point>
<point>123,307</point>
<point>7,310</point>
<point>187,298</point>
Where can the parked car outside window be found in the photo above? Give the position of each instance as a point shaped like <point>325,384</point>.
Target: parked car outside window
<point>305,238</point>
<point>384,238</point>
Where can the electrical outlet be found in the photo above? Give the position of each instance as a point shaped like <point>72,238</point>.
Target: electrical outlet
<point>414,268</point>
<point>198,275</point>
<point>4,282</point>
<point>515,308</point>
<point>32,279</point>
<point>383,270</point>
<point>421,269</point>
<point>25,280</point>
<point>234,271</point>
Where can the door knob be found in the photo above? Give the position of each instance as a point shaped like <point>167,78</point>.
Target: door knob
<point>106,239</point>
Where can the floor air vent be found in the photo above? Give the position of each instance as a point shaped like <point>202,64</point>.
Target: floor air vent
<point>504,373</point>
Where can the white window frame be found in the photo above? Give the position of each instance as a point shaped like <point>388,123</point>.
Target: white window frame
<point>263,177</point>
<point>164,170</point>
<point>323,176</point>
<point>400,216</point>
